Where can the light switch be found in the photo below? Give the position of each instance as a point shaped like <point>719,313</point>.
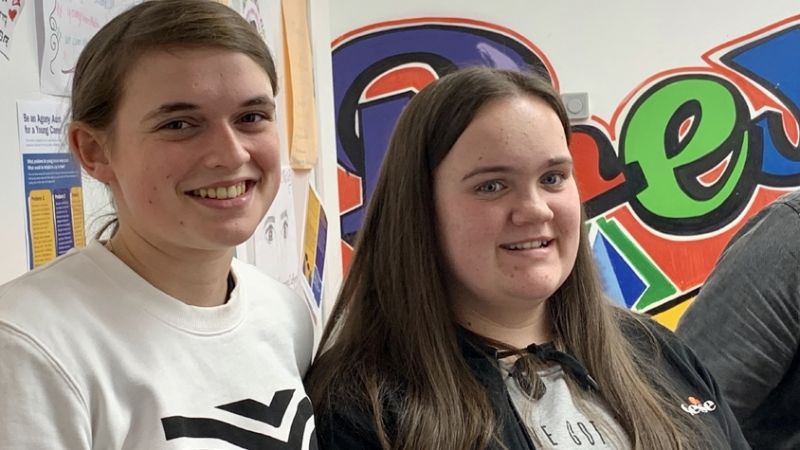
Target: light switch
<point>577,105</point>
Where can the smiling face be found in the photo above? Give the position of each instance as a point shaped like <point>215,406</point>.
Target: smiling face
<point>507,209</point>
<point>193,159</point>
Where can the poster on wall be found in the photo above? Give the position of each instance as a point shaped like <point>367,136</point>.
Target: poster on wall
<point>315,233</point>
<point>275,239</point>
<point>251,11</point>
<point>52,183</point>
<point>67,25</point>
<point>9,14</point>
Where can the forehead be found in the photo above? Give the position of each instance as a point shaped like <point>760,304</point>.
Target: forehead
<point>189,71</point>
<point>518,130</point>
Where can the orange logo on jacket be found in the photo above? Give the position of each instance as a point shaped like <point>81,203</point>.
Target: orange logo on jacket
<point>697,406</point>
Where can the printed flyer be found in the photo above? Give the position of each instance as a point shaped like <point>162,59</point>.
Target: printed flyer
<point>314,240</point>
<point>52,182</point>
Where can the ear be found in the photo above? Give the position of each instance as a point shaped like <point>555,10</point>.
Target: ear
<point>88,145</point>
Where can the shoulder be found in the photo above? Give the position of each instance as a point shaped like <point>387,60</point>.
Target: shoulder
<point>31,358</point>
<point>676,368</point>
<point>278,309</point>
<point>59,315</point>
<point>270,288</point>
<point>36,386</point>
<point>764,231</point>
<point>785,207</point>
<point>754,284</point>
<point>668,359</point>
<point>344,419</point>
<point>343,409</point>
<point>345,426</point>
<point>51,294</point>
<point>789,200</point>
<point>653,340</point>
<point>267,292</point>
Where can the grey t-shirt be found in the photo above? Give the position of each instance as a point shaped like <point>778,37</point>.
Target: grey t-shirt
<point>555,422</point>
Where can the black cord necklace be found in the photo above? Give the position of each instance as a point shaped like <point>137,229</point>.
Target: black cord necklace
<point>530,383</point>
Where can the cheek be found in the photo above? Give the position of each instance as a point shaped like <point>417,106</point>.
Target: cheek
<point>448,230</point>
<point>569,223</point>
<point>465,237</point>
<point>455,223</point>
<point>267,152</point>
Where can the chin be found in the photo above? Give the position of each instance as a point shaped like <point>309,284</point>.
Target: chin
<point>535,293</point>
<point>230,238</point>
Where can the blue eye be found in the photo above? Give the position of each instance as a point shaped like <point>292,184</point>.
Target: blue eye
<point>554,178</point>
<point>491,187</point>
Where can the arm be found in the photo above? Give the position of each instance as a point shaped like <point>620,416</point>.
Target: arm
<point>39,405</point>
<point>745,324</point>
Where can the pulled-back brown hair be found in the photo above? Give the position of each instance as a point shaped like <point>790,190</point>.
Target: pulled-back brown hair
<point>98,84</point>
<point>392,331</point>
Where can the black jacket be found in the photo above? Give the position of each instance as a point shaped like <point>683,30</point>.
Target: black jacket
<point>349,427</point>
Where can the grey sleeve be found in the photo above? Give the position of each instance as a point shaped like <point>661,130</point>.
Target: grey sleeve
<point>745,323</point>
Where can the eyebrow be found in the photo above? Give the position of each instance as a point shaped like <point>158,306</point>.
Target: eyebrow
<point>168,108</point>
<point>562,160</point>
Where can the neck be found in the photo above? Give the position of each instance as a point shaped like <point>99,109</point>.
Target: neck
<point>511,327</point>
<point>195,277</point>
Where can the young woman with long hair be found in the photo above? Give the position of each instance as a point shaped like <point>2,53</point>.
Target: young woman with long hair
<point>472,316</point>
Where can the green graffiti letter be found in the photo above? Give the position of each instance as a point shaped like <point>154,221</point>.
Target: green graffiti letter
<point>712,118</point>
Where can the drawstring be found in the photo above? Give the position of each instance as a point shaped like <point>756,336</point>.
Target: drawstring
<point>548,352</point>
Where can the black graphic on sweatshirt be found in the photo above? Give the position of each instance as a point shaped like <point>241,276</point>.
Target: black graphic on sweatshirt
<point>580,434</point>
<point>273,414</point>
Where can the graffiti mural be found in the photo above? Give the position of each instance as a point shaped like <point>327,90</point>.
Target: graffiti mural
<point>686,158</point>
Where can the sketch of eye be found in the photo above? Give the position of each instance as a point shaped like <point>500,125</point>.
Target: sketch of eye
<point>285,224</point>
<point>270,233</point>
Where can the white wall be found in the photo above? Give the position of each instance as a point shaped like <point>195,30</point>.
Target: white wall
<point>19,81</point>
<point>605,48</point>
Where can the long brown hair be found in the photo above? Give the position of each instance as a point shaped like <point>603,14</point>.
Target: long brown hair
<point>392,331</point>
<point>100,72</point>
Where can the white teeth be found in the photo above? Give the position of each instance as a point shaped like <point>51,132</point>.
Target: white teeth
<point>527,245</point>
<point>221,193</point>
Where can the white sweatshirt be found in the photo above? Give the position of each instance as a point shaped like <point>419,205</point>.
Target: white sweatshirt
<point>94,357</point>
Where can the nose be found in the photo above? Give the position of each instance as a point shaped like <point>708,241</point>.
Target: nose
<point>531,207</point>
<point>225,148</point>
